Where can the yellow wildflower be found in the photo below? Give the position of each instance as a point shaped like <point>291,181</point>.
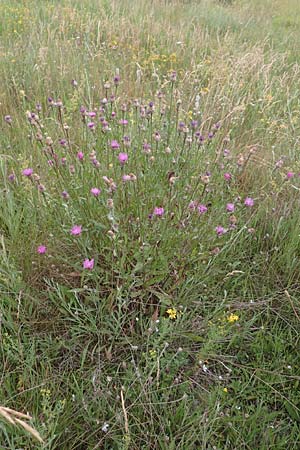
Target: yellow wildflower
<point>172,313</point>
<point>232,318</point>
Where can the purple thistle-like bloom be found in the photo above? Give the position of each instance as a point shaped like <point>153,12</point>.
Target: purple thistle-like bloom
<point>41,249</point>
<point>8,119</point>
<point>193,205</point>
<point>88,264</point>
<point>249,201</point>
<point>27,172</point>
<point>181,126</point>
<point>80,156</point>
<point>126,178</point>
<point>220,230</point>
<point>290,175</point>
<point>230,207</point>
<point>123,158</point>
<point>91,125</point>
<point>115,145</point>
<point>95,191</point>
<point>210,135</point>
<point>117,79</point>
<point>202,209</point>
<point>65,195</point>
<point>227,176</point>
<point>194,124</point>
<point>76,230</point>
<point>123,122</point>
<point>158,211</point>
<point>63,142</point>
<point>11,177</point>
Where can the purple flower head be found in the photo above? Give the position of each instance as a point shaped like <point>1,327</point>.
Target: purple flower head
<point>147,147</point>
<point>227,176</point>
<point>91,125</point>
<point>41,249</point>
<point>27,172</point>
<point>80,156</point>
<point>123,158</point>
<point>41,187</point>
<point>279,163</point>
<point>193,205</point>
<point>65,195</point>
<point>230,207</point>
<point>82,110</point>
<point>74,83</point>
<point>123,122</point>
<point>63,142</point>
<point>194,124</point>
<point>8,119</point>
<point>181,126</point>
<point>88,264</point>
<point>11,177</point>
<point>50,100</point>
<point>202,209</point>
<point>115,145</point>
<point>158,211</point>
<point>249,202</point>
<point>92,114</point>
<point>38,107</point>
<point>290,175</point>
<point>210,135</point>
<point>76,230</point>
<point>95,191</point>
<point>126,141</point>
<point>226,152</point>
<point>220,230</point>
<point>126,178</point>
<point>173,75</point>
<point>116,80</point>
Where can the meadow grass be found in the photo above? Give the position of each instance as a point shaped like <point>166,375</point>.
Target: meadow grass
<point>149,217</point>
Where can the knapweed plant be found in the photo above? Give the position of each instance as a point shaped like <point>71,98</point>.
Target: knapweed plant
<point>149,226</point>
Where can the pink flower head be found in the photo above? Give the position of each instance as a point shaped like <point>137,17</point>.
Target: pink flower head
<point>290,175</point>
<point>126,178</point>
<point>41,249</point>
<point>249,201</point>
<point>76,230</point>
<point>227,176</point>
<point>27,172</point>
<point>95,191</point>
<point>88,264</point>
<point>115,145</point>
<point>65,194</point>
<point>202,209</point>
<point>91,125</point>
<point>230,207</point>
<point>193,205</point>
<point>158,211</point>
<point>220,230</point>
<point>123,158</point>
<point>80,156</point>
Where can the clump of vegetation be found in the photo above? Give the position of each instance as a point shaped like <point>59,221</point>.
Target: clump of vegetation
<point>149,226</point>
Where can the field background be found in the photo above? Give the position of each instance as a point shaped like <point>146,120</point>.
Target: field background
<point>95,358</point>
